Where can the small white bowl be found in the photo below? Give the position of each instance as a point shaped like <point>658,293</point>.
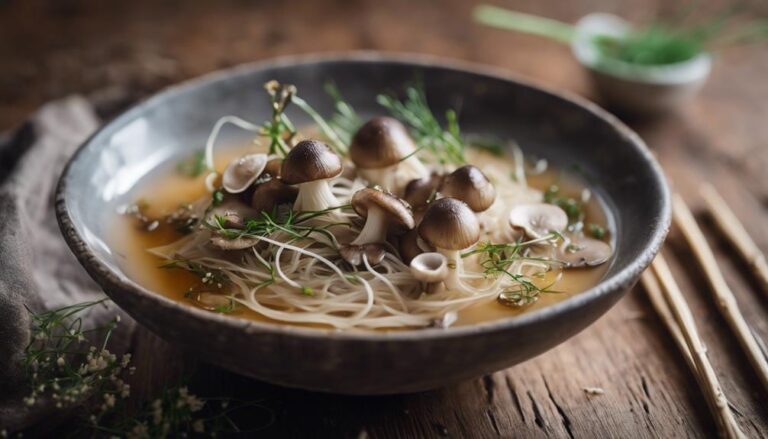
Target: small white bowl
<point>635,88</point>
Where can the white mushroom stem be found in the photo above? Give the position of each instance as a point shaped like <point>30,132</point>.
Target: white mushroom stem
<point>314,196</point>
<point>394,178</point>
<point>455,268</point>
<point>375,228</point>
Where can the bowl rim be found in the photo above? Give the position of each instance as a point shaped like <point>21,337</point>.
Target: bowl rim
<point>101,272</point>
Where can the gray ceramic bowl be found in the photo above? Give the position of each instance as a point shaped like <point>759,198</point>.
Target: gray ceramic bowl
<point>563,128</point>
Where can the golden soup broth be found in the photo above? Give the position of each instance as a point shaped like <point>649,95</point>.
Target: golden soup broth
<point>164,193</point>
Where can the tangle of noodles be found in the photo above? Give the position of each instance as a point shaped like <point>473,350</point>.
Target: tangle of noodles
<point>304,280</point>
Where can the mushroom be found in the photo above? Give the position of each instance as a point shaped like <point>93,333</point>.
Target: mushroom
<point>537,220</point>
<point>242,172</point>
<point>310,165</point>
<point>418,191</point>
<point>353,254</point>
<point>381,211</point>
<point>411,245</point>
<point>272,169</point>
<point>239,243</point>
<point>584,252</point>
<point>431,268</point>
<point>450,226</point>
<point>470,185</point>
<point>383,152</point>
<point>272,193</point>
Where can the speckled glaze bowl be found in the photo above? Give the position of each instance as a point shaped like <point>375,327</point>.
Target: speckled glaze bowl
<point>563,128</point>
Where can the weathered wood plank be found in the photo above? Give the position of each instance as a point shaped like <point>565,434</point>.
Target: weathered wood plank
<point>134,48</point>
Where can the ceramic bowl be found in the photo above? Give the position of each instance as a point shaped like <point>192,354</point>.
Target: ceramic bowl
<point>565,129</point>
<point>642,90</point>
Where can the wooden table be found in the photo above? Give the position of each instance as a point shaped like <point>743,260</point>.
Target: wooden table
<point>117,52</point>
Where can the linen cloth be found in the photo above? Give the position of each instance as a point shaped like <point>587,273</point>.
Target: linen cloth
<point>37,270</point>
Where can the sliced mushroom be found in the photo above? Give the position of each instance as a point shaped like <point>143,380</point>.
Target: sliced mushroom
<point>432,269</point>
<point>240,243</point>
<point>382,152</point>
<point>584,252</point>
<point>411,245</point>
<point>242,172</point>
<point>353,254</point>
<point>450,226</point>
<point>381,210</point>
<point>418,191</point>
<point>272,193</point>
<point>309,166</point>
<point>538,220</point>
<point>470,185</point>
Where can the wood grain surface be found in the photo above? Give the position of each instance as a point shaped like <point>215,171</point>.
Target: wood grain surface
<point>117,52</point>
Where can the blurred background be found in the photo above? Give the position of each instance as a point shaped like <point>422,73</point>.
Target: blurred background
<point>115,52</point>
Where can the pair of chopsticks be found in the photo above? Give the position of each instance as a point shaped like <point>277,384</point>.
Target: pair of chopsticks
<point>670,304</point>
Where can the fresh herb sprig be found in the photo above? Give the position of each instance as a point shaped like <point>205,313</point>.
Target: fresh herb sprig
<point>61,368</point>
<point>280,130</point>
<point>295,224</point>
<point>344,120</point>
<point>208,276</point>
<point>496,259</point>
<point>445,144</point>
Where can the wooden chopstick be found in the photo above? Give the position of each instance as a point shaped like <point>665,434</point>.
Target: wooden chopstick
<point>732,228</point>
<point>670,304</point>
<point>723,295</point>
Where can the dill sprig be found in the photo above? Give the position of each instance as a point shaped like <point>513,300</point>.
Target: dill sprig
<point>280,130</point>
<point>61,368</point>
<point>445,144</point>
<point>496,259</point>
<point>344,121</point>
<point>294,224</point>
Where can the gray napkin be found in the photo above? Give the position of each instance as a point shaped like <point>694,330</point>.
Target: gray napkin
<point>37,269</point>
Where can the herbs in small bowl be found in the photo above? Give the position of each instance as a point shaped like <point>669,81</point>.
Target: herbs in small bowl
<point>639,68</point>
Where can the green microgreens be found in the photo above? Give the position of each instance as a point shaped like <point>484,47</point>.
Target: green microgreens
<point>572,207</point>
<point>596,231</point>
<point>497,258</point>
<point>280,130</point>
<point>344,121</point>
<point>328,130</point>
<point>193,166</point>
<point>445,144</point>
<point>294,224</point>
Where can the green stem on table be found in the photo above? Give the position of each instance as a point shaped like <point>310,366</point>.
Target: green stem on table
<point>517,21</point>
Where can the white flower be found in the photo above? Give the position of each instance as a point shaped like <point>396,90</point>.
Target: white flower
<point>60,361</point>
<point>29,401</point>
<point>198,426</point>
<point>125,391</point>
<point>125,360</point>
<point>157,411</point>
<point>109,400</point>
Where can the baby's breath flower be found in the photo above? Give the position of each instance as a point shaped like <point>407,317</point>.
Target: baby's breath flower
<point>109,400</point>
<point>198,426</point>
<point>60,361</point>
<point>29,401</point>
<point>157,411</point>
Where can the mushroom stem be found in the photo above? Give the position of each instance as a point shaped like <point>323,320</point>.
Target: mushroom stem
<point>384,177</point>
<point>394,178</point>
<point>411,169</point>
<point>315,196</point>
<point>455,268</point>
<point>375,228</point>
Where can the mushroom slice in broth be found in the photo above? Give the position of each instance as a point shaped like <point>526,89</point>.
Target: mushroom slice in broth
<point>538,220</point>
<point>242,172</point>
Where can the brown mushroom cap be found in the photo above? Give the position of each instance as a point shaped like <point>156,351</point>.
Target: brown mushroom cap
<point>380,142</point>
<point>585,252</point>
<point>470,185</point>
<point>310,160</point>
<point>273,168</point>
<point>271,193</point>
<point>418,190</point>
<point>396,209</point>
<point>449,224</point>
